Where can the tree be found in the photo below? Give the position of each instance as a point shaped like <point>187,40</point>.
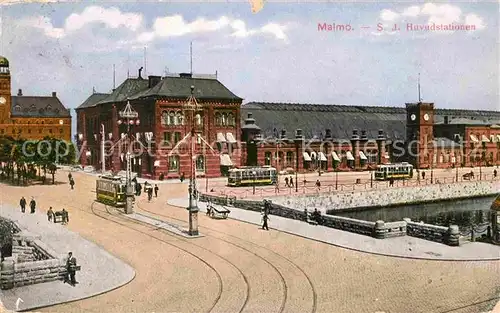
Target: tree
<point>52,170</point>
<point>6,231</point>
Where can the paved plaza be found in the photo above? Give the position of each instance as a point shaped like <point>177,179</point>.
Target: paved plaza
<point>236,267</point>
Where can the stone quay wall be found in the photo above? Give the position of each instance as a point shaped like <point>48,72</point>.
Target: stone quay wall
<point>32,262</point>
<point>378,229</point>
<point>334,202</point>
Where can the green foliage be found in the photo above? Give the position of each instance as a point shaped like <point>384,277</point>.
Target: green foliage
<point>5,232</point>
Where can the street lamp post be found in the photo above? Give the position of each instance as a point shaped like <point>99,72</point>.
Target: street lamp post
<point>298,141</point>
<point>191,106</point>
<point>131,117</point>
<point>336,179</point>
<point>254,173</point>
<point>371,179</point>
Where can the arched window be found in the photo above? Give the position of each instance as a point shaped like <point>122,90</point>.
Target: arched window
<point>180,118</point>
<point>230,119</point>
<point>198,119</point>
<point>267,158</point>
<point>200,164</point>
<point>164,118</point>
<point>171,118</point>
<point>224,119</point>
<point>218,119</point>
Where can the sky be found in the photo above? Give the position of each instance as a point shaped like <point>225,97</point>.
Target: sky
<point>276,55</point>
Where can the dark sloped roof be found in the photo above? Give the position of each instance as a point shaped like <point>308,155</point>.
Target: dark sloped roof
<point>180,87</point>
<point>314,119</point>
<point>92,100</point>
<point>126,90</point>
<point>27,106</point>
<point>444,142</point>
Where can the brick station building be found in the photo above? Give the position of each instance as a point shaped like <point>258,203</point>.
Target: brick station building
<point>31,117</point>
<point>330,137</point>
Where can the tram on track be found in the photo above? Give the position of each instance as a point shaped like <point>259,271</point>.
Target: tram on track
<point>252,175</point>
<point>111,190</point>
<point>402,170</point>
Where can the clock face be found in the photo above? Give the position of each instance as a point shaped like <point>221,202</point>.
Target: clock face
<point>426,117</point>
<point>3,100</point>
<point>413,117</point>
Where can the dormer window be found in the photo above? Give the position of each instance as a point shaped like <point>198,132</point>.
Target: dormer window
<point>33,108</point>
<point>48,108</point>
<point>17,108</point>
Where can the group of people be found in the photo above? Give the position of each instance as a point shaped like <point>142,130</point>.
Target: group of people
<point>289,182</point>
<point>315,216</point>
<point>22,203</point>
<point>147,189</point>
<point>51,216</point>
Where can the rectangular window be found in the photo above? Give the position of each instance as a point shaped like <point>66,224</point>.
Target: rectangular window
<point>167,138</point>
<point>173,163</point>
<point>177,137</point>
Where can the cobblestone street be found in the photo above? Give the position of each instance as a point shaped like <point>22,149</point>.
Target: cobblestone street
<point>236,267</point>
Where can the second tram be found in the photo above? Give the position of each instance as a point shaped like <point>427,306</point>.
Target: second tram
<point>394,171</point>
<point>248,176</point>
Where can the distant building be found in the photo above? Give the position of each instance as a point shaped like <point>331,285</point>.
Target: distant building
<point>282,135</point>
<point>31,117</point>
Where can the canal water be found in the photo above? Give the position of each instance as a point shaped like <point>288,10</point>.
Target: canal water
<point>463,213</point>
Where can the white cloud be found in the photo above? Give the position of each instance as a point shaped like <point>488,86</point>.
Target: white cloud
<point>175,25</point>
<point>388,15</point>
<point>44,24</point>
<point>411,11</point>
<point>473,19</point>
<point>112,18</point>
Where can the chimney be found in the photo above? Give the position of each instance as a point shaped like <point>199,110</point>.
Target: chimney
<point>185,75</point>
<point>54,94</point>
<point>19,92</point>
<point>381,135</point>
<point>328,134</point>
<point>298,133</point>
<point>283,133</point>
<point>446,120</point>
<point>154,80</point>
<point>140,70</point>
<point>355,135</point>
<point>363,135</point>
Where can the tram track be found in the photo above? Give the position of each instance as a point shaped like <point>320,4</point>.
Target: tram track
<point>293,264</point>
<point>218,274</point>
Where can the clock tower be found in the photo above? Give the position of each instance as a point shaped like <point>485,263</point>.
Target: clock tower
<point>420,133</point>
<point>5,97</point>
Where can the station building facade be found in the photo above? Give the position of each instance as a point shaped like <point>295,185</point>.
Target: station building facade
<point>288,136</point>
<point>31,117</point>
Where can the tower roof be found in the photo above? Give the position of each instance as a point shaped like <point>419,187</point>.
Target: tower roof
<point>4,62</point>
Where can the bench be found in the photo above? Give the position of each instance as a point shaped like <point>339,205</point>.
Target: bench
<point>220,212</point>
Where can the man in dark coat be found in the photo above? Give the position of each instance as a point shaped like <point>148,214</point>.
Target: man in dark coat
<point>265,218</point>
<point>71,268</point>
<point>156,190</point>
<point>72,183</point>
<point>22,203</point>
<point>33,205</point>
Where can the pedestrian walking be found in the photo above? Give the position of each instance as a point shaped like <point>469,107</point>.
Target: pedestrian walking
<point>182,177</point>
<point>391,182</point>
<point>71,268</point>
<point>150,193</point>
<point>22,203</point>
<point>495,173</point>
<point>70,177</point>
<point>286,182</point>
<point>423,175</point>
<point>156,190</point>
<point>265,218</point>
<point>72,183</point>
<point>318,184</point>
<point>291,182</point>
<point>33,205</point>
<point>65,217</point>
<point>50,214</point>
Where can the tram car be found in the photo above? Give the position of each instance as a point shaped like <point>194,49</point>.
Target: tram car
<point>251,176</point>
<point>394,171</point>
<point>111,190</point>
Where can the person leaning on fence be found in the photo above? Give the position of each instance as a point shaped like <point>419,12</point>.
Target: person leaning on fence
<point>50,214</point>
